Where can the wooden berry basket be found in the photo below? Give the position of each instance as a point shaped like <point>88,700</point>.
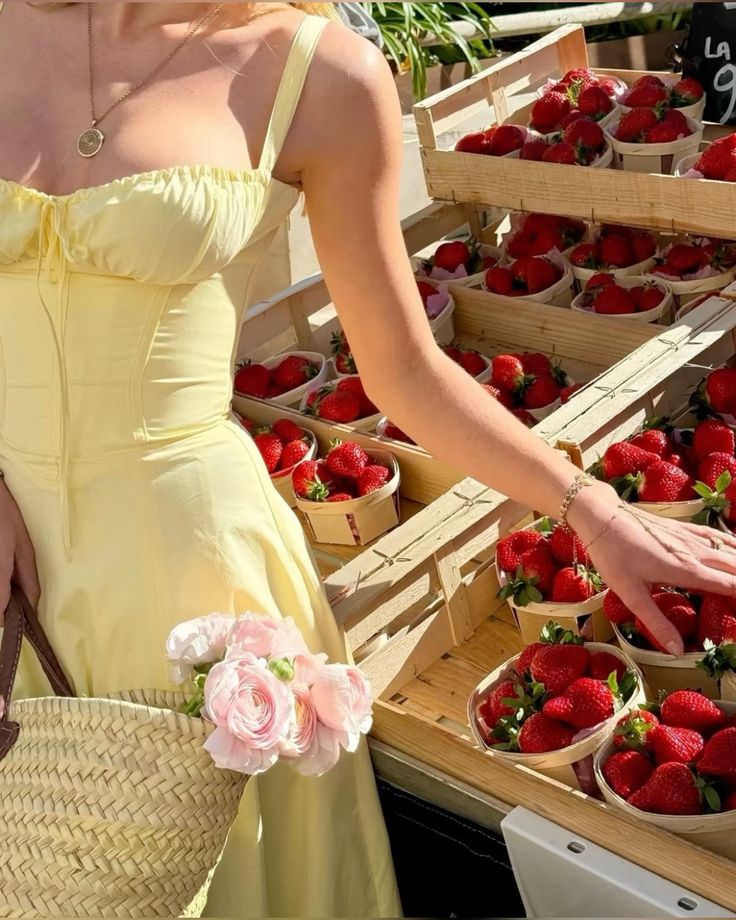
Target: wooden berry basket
<point>501,93</point>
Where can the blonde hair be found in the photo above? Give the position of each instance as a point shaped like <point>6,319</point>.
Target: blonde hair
<point>328,10</point>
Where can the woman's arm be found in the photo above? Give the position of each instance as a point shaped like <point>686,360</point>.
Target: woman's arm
<point>351,180</point>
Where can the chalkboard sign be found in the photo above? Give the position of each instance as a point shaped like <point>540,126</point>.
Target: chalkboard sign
<point>709,54</point>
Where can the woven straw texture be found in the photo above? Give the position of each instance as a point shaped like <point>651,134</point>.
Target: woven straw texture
<point>111,808</point>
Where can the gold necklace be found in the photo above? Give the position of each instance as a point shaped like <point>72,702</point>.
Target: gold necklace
<point>90,141</point>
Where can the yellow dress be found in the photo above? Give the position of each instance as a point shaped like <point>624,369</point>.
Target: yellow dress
<point>146,502</point>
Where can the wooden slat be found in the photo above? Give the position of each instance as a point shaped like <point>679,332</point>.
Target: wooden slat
<point>494,642</point>
<point>445,686</point>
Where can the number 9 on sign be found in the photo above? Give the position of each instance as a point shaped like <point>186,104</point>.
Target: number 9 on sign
<point>724,82</point>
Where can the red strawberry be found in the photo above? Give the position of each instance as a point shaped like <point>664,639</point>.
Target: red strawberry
<point>595,102</point>
<point>678,610</point>
<point>499,280</point>
<point>684,259</point>
<point>584,703</point>
<point>340,497</point>
<point>476,142</point>
<point>519,269</point>
<point>426,291</point>
<point>557,666</point>
<point>510,549</point>
<point>538,568</point>
<point>340,406</point>
<point>560,153</point>
<point>670,790</point>
<point>711,436</point>
<point>584,134</point>
<point>572,585</point>
<point>632,731</point>
<point>686,92</point>
<point>311,480</point>
<point>599,281</point>
<point>566,393</point>
<point>644,246</point>
<point>525,417</point>
<point>535,363</point>
<point>346,460</point>
<point>714,465</point>
<point>717,620</point>
<point>647,95</point>
<point>615,610</point>
<point>614,301</point>
<point>450,256</point>
<point>719,756</point>
<point>396,434</point>
<point>615,251</point>
<point>372,478</point>
<point>688,709</point>
<point>270,448</point>
<point>542,392</point>
<point>505,139</point>
<point>720,389</point>
<point>603,664</point>
<point>664,482</point>
<point>646,79</point>
<point>539,734</point>
<point>634,124</point>
<point>627,771</point>
<point>253,380</point>
<point>503,396</point>
<point>473,362</point>
<point>541,274</point>
<point>493,707</point>
<point>584,255</point>
<point>548,111</point>
<point>534,150</point>
<point>622,459</point>
<point>719,158</point>
<point>507,372</point>
<point>293,372</point>
<point>355,385</point>
<point>675,745</point>
<point>650,298</point>
<point>728,802</point>
<point>294,452</point>
<point>524,661</point>
<point>665,132</point>
<point>567,548</point>
<point>287,430</point>
<point>654,440</point>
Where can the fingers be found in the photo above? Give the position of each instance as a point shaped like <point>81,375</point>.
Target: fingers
<point>656,622</point>
<point>26,574</point>
<point>703,578</point>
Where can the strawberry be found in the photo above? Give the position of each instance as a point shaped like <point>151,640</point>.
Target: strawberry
<point>247,423</point>
<point>603,664</point>
<point>627,771</point>
<point>287,430</point>
<point>719,756</point>
<point>644,246</point>
<point>567,548</point>
<point>525,417</point>
<point>665,132</point>
<point>499,280</point>
<point>346,460</point>
<point>541,274</point>
<point>311,480</point>
<point>719,158</point>
<point>541,392</point>
<point>519,269</point>
<point>573,585</point>
<point>503,396</point>
<point>654,440</point>
<point>720,389</point>
<point>534,150</point>
<point>599,281</point>
<point>534,578</point>
<point>632,731</point>
<point>713,467</point>
<point>451,256</point>
<point>493,708</point>
<point>584,703</point>
<point>475,142</point>
<point>426,291</point>
<point>505,139</point>
<point>340,406</point>
<point>510,549</point>
<point>560,152</point>
<point>686,92</point>
<point>688,709</point>
<point>396,434</point>
<point>650,298</point>
<point>622,459</point>
<point>646,95</point>
<point>524,661</point>
<point>372,478</point>
<point>615,251</point>
<point>713,436</point>
<point>634,124</point>
<point>584,134</point>
<point>270,448</point>
<point>678,610</point>
<point>294,452</point>
<point>615,610</point>
<point>614,301</point>
<point>535,363</point>
<point>473,362</point>
<point>646,79</point>
<point>685,259</point>
<point>355,386</point>
<point>595,102</point>
<point>294,371</point>
<point>253,380</point>
<point>507,373</point>
<point>670,790</point>
<point>539,734</point>
<point>664,482</point>
<point>675,745</point>
<point>584,255</point>
<point>557,666</point>
<point>548,111</point>
<point>566,393</point>
<point>717,620</point>
<point>275,390</point>
<point>340,497</point>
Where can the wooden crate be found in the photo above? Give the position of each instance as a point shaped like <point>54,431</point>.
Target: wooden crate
<point>502,92</point>
<point>425,623</point>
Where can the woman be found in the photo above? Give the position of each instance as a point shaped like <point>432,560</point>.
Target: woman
<point>130,229</point>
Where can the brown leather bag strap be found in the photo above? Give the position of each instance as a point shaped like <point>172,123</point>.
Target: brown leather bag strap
<point>20,620</point>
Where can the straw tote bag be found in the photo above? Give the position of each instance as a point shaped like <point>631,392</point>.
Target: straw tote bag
<point>108,807</point>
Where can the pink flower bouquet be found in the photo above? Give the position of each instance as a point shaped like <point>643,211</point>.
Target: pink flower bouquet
<point>267,695</point>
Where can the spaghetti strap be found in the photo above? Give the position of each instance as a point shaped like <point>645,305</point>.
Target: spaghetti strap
<point>290,88</point>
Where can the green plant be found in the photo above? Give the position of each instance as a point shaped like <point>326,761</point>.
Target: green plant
<point>404,25</point>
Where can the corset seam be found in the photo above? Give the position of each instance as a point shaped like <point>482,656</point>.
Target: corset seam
<point>146,342</point>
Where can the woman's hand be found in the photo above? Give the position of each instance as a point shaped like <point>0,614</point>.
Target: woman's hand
<point>17,556</point>
<point>634,551</point>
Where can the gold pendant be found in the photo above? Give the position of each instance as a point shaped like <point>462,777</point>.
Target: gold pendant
<point>90,142</point>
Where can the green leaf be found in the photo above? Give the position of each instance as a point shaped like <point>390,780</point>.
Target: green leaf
<point>723,481</point>
<point>712,799</point>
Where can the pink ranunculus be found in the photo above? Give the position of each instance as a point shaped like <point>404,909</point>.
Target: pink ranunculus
<point>307,667</point>
<point>266,637</point>
<point>323,754</point>
<point>303,727</point>
<point>342,698</point>
<point>199,641</point>
<point>252,710</point>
